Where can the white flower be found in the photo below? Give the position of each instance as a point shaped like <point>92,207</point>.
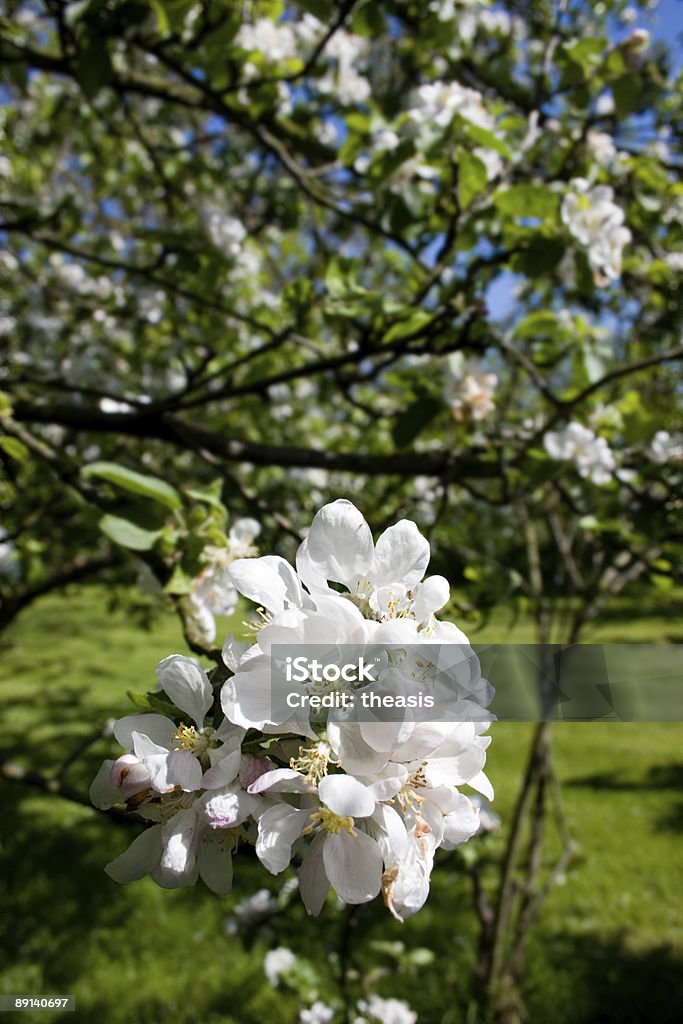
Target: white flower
<point>260,905</point>
<point>275,41</point>
<point>318,1013</point>
<point>387,1011</point>
<point>598,224</point>
<point>666,447</point>
<point>601,147</point>
<point>213,592</point>
<point>438,102</point>
<point>591,454</point>
<point>278,962</point>
<point>226,233</point>
<point>469,390</point>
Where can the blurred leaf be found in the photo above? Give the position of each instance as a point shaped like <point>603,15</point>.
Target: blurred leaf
<point>15,448</point>
<point>137,483</point>
<point>128,534</point>
<point>472,177</point>
<point>415,419</point>
<point>528,201</point>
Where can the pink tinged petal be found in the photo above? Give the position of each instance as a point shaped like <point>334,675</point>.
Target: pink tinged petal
<point>187,685</point>
<point>157,727</point>
<point>278,828</point>
<point>214,861</point>
<point>224,810</point>
<point>313,881</point>
<point>430,596</point>
<point>401,556</point>
<point>346,796</point>
<point>353,865</point>
<point>141,857</point>
<point>103,794</point>
<point>252,768</point>
<point>129,775</point>
<point>269,581</point>
<point>339,543</point>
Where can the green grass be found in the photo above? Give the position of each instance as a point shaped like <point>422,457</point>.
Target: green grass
<point>608,947</point>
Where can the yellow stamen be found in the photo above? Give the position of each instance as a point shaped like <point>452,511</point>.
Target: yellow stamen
<point>331,822</point>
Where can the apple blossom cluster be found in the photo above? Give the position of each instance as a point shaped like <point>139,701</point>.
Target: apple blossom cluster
<point>469,390</point>
<point>579,444</point>
<point>597,223</point>
<point>360,806</point>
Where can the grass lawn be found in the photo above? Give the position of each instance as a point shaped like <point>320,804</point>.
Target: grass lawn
<point>609,942</point>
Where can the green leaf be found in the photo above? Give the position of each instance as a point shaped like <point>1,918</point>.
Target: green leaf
<point>153,702</point>
<point>472,177</point>
<point>94,69</point>
<point>15,448</point>
<point>128,534</point>
<point>137,483</point>
<point>209,495</point>
<point>415,419</point>
<point>528,201</point>
<point>411,325</point>
<point>627,91</point>
<point>180,583</point>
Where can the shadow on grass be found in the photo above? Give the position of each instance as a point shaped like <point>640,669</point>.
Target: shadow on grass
<point>658,777</point>
<point>601,981</point>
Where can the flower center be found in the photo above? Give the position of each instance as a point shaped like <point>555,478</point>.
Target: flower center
<point>256,625</point>
<point>409,797</point>
<point>186,737</point>
<point>313,761</point>
<point>331,822</point>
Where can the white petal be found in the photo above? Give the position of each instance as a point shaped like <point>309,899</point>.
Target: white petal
<point>313,881</point>
<point>269,581</point>
<point>460,824</point>
<point>339,543</point>
<point>353,865</point>
<point>278,828</point>
<point>179,839</point>
<point>141,857</point>
<point>281,780</point>
<point>225,768</point>
<point>102,793</point>
<point>187,685</point>
<point>401,556</point>
<point>214,860</point>
<point>244,529</point>
<point>234,651</point>
<point>184,770</point>
<point>157,727</point>
<point>430,596</point>
<point>482,785</point>
<point>346,796</point>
